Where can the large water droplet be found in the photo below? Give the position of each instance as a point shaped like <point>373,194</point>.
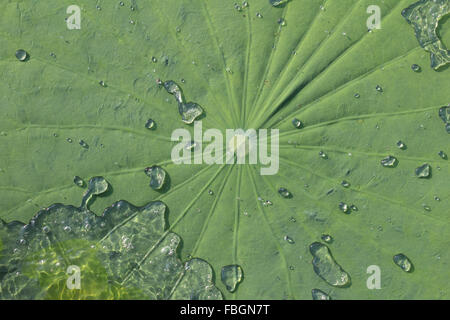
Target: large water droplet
<point>319,295</point>
<point>157,177</point>
<point>423,171</point>
<point>150,124</point>
<point>326,267</point>
<point>403,262</point>
<point>231,276</point>
<point>189,111</point>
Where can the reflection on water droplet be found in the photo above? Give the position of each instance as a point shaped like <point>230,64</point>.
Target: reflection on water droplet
<point>389,161</point>
<point>403,262</point>
<point>154,60</point>
<point>326,267</point>
<point>423,171</point>
<point>210,192</point>
<point>78,181</point>
<point>21,55</point>
<point>284,193</point>
<point>157,175</point>
<point>231,276</point>
<point>319,295</point>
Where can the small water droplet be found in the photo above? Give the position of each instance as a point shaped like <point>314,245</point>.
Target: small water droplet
<point>443,155</point>
<point>297,123</point>
<point>424,171</point>
<point>379,88</point>
<point>284,193</point>
<point>102,83</point>
<point>157,175</point>
<point>237,7</point>
<point>150,124</point>
<point>154,60</point>
<point>389,161</point>
<point>277,3</point>
<point>357,95</point>
<point>326,267</point>
<point>78,181</point>
<point>344,207</point>
<point>83,144</point>
<point>69,140</point>
<point>426,207</point>
<point>345,184</point>
<point>403,262</point>
<point>267,203</point>
<point>21,55</point>
<point>401,145</point>
<point>323,155</point>
<point>46,229</point>
<point>210,192</point>
<point>282,22</point>
<point>415,67</point>
<point>231,276</point>
<point>327,238</point>
<point>259,15</point>
<point>319,295</point>
<point>437,198</point>
<point>67,229</point>
<point>121,3</point>
<point>289,240</point>
<point>244,4</point>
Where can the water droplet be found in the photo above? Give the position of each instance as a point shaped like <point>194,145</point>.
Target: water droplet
<point>67,229</point>
<point>403,262</point>
<point>46,229</point>
<point>154,60</point>
<point>284,193</point>
<point>69,140</point>
<point>345,184</point>
<point>389,161</point>
<point>353,207</point>
<point>231,276</point>
<point>102,83</point>
<point>437,198</point>
<point>344,207</point>
<point>150,124</point>
<point>357,95</point>
<point>189,111</point>
<point>326,267</point>
<point>259,15</point>
<point>319,295</point>
<point>323,155</point>
<point>415,68</point>
<point>78,181</point>
<point>423,171</point>
<point>277,3</point>
<point>83,144</point>
<point>379,88</point>
<point>443,155</point>
<point>282,22</point>
<point>21,55</point>
<point>237,7</point>
<point>297,123</point>
<point>426,207</point>
<point>121,3</point>
<point>327,238</point>
<point>401,145</point>
<point>210,192</point>
<point>244,4</point>
<point>267,203</point>
<point>157,175</point>
<point>444,114</point>
<point>289,240</point>
<point>97,185</point>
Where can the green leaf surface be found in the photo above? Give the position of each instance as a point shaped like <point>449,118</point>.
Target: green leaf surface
<point>245,72</point>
